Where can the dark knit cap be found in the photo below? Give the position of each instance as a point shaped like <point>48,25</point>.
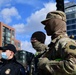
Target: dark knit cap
<point>39,35</point>
<point>10,47</point>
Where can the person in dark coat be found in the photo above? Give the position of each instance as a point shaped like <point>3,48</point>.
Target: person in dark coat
<point>9,65</point>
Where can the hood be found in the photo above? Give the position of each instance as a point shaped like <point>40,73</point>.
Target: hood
<point>57,27</point>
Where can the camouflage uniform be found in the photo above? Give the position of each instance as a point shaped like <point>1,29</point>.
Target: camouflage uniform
<point>61,57</point>
<point>37,41</point>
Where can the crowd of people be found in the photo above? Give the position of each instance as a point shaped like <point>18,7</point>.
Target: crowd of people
<point>57,58</point>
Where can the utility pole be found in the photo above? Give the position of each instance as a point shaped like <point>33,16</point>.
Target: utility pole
<point>60,5</point>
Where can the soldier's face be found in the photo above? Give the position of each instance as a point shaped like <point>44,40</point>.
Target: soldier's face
<point>48,28</point>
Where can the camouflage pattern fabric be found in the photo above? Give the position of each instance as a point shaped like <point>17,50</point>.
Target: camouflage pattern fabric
<point>39,47</point>
<point>55,15</point>
<point>65,51</point>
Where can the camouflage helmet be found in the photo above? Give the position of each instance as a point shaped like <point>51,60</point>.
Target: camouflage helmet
<point>55,14</point>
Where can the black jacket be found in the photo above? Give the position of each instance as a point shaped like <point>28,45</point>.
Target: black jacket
<point>11,67</point>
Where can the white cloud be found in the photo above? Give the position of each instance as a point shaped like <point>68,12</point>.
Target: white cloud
<point>8,13</point>
<point>48,40</point>
<point>34,21</point>
<point>20,28</point>
<point>27,46</point>
<point>33,24</point>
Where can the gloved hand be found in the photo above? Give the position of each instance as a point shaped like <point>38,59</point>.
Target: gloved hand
<point>42,62</point>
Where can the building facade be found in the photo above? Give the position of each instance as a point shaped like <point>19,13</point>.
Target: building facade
<point>70,10</point>
<point>24,57</point>
<point>17,44</point>
<point>7,36</point>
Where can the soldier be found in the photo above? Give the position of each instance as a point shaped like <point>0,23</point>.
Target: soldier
<point>61,57</point>
<point>37,41</point>
<point>9,65</point>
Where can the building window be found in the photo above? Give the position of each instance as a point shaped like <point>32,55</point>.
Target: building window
<point>71,21</point>
<point>4,29</point>
<point>68,27</point>
<point>12,42</point>
<point>74,37</point>
<point>73,26</point>
<point>74,32</point>
<point>19,45</point>
<point>69,33</point>
<point>13,33</point>
<point>71,9</point>
<point>8,34</point>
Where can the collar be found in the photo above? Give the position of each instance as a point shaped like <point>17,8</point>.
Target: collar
<point>8,61</point>
<point>57,38</point>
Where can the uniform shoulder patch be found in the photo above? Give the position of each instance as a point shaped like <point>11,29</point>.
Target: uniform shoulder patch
<point>70,48</point>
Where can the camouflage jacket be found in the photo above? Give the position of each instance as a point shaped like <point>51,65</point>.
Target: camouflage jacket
<point>62,56</point>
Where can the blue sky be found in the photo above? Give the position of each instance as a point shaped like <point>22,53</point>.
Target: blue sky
<point>25,16</point>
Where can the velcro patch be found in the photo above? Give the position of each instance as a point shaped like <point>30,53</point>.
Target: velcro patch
<point>70,48</point>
